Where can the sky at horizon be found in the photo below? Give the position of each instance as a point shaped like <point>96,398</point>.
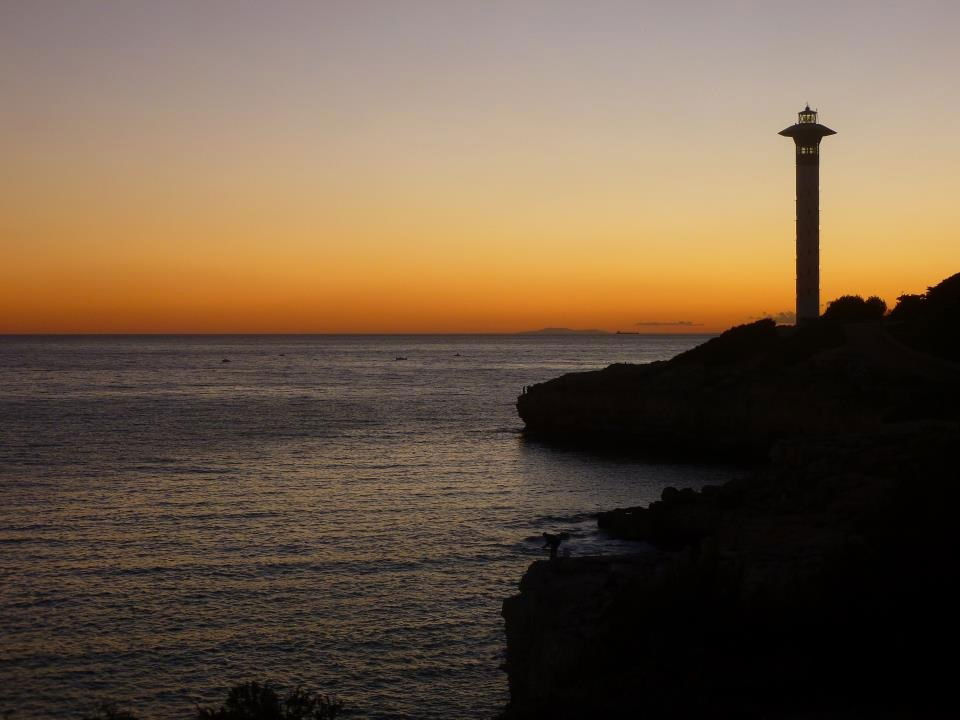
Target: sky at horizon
<point>453,166</point>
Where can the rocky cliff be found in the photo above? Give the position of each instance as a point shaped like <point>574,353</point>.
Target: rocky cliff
<point>823,585</point>
<point>741,392</point>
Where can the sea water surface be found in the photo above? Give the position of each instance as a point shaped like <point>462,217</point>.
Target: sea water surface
<point>180,514</point>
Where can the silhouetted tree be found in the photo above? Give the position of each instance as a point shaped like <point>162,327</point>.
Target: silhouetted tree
<point>876,307</point>
<point>945,296</point>
<point>109,711</point>
<point>930,322</point>
<point>854,309</point>
<point>253,701</point>
<point>940,300</point>
<point>908,307</point>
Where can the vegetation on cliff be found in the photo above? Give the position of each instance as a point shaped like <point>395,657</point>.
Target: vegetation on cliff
<point>930,322</point>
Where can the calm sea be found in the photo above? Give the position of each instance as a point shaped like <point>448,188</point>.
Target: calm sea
<point>313,511</point>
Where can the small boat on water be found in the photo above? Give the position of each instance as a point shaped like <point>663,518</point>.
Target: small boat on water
<point>398,357</point>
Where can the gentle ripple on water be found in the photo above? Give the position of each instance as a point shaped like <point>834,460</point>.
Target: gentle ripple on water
<point>312,511</point>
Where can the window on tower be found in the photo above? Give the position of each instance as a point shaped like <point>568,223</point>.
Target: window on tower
<point>807,149</point>
<point>808,117</point>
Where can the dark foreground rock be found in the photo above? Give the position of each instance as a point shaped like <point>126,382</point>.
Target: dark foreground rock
<point>824,585</point>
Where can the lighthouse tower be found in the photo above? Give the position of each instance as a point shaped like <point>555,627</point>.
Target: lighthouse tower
<point>807,134</point>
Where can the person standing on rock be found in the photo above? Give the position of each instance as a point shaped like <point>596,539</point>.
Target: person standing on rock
<point>553,542</point>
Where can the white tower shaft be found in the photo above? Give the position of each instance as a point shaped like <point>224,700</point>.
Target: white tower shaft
<point>808,242</point>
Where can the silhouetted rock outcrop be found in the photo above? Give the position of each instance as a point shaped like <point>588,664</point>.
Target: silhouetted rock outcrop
<point>741,392</point>
<point>824,582</point>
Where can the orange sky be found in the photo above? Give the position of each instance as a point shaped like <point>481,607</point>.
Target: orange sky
<point>462,167</point>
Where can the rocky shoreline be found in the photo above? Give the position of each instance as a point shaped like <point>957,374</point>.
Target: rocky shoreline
<point>820,585</point>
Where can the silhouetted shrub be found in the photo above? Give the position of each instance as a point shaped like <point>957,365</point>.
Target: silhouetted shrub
<point>945,296</point>
<point>109,711</point>
<point>876,308</point>
<point>253,701</point>
<point>939,300</point>
<point>908,307</point>
<point>854,309</point>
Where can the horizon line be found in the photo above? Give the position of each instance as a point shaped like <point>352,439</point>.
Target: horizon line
<point>538,333</point>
